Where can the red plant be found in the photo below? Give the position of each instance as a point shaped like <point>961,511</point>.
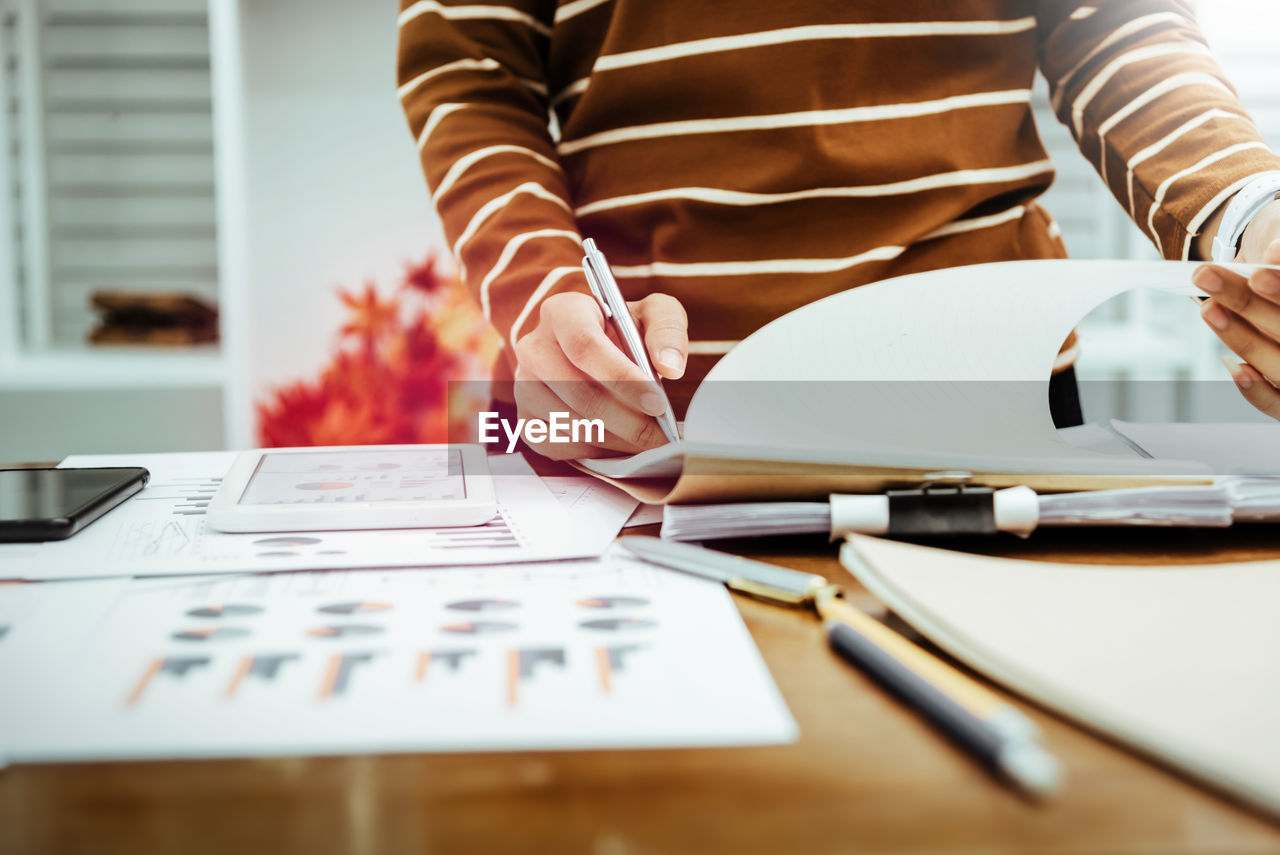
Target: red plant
<point>389,379</point>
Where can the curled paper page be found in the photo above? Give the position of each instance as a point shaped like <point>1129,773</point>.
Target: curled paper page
<point>887,384</point>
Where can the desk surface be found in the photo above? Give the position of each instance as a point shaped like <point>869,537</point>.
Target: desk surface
<point>866,775</point>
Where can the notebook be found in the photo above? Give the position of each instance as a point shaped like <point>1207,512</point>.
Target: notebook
<point>883,385</point>
<point>1178,662</point>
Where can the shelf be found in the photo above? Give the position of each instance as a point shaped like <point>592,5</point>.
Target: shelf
<point>115,368</point>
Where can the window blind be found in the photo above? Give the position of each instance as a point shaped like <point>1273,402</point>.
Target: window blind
<point>125,177</point>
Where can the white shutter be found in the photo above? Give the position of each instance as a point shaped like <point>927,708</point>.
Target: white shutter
<point>110,101</point>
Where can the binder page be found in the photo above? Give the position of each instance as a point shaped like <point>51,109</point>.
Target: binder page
<point>1229,449</point>
<point>949,365</point>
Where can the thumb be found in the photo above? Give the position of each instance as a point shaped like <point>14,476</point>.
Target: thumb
<point>665,327</point>
<point>1260,243</point>
<point>1271,255</point>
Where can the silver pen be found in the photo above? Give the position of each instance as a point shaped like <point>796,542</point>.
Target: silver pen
<point>778,584</point>
<point>605,289</point>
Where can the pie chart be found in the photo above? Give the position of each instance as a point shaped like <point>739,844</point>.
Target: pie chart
<point>348,631</point>
<point>325,485</point>
<point>287,541</point>
<point>478,627</point>
<point>354,608</point>
<point>612,602</point>
<point>220,633</point>
<point>225,611</point>
<point>615,624</point>
<point>482,605</point>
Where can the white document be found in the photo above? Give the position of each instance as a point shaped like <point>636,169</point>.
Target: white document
<point>1182,663</point>
<point>589,654</point>
<point>944,369</point>
<point>645,515</point>
<point>1095,437</point>
<point>592,502</point>
<point>1244,449</point>
<point>28,613</point>
<point>161,531</point>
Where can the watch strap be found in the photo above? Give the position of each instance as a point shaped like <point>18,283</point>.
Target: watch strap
<point>1244,206</point>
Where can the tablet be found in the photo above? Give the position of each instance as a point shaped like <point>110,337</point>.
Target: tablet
<point>354,487</point>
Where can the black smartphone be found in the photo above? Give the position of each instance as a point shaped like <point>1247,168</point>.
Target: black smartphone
<point>53,504</point>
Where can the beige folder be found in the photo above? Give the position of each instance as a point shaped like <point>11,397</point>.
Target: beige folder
<point>1180,662</point>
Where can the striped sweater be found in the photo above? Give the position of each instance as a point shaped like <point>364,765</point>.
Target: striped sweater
<point>751,156</point>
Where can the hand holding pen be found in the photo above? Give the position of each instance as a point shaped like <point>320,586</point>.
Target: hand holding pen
<point>596,356</point>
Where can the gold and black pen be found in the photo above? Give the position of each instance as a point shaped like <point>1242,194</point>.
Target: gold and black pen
<point>991,730</point>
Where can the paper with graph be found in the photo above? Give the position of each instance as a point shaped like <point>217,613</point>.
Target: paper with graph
<point>162,531</point>
<point>582,654</point>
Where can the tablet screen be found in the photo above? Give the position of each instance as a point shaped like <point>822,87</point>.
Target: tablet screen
<point>340,477</point>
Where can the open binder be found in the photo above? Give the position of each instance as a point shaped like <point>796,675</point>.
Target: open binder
<point>937,375</point>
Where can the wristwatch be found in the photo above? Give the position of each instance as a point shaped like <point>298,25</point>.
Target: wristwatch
<point>1244,206</point>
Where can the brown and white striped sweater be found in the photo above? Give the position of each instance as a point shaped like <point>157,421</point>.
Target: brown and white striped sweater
<point>751,156</point>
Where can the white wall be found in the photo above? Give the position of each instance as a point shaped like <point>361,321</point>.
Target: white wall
<point>334,194</point>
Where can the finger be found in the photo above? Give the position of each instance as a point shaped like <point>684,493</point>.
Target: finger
<point>665,327</point>
<point>1241,297</point>
<point>1213,279</point>
<point>1255,388</point>
<point>578,328</point>
<point>549,366</point>
<point>1266,283</point>
<point>1260,351</point>
<point>536,400</point>
<point>1272,253</point>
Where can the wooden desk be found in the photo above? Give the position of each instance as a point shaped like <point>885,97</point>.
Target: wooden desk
<point>866,776</point>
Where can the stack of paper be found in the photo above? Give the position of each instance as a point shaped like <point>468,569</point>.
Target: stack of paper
<point>1239,448</point>
<point>1202,507</point>
<point>1245,456</point>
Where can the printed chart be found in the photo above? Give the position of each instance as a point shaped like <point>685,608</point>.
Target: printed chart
<point>606,652</point>
<point>375,475</point>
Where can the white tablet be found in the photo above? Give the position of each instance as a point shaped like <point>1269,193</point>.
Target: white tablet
<point>355,487</point>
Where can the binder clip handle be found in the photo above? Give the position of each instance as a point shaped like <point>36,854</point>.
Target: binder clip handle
<point>944,505</point>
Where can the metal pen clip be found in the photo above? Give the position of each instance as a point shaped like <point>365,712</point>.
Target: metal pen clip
<point>593,282</point>
<point>781,596</point>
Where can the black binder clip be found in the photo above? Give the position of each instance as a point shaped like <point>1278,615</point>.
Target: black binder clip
<point>943,505</point>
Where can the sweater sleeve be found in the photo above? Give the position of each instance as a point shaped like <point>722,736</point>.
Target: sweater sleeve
<point>472,84</point>
<point>1150,108</point>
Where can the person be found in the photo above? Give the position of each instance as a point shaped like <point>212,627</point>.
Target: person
<point>736,159</point>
